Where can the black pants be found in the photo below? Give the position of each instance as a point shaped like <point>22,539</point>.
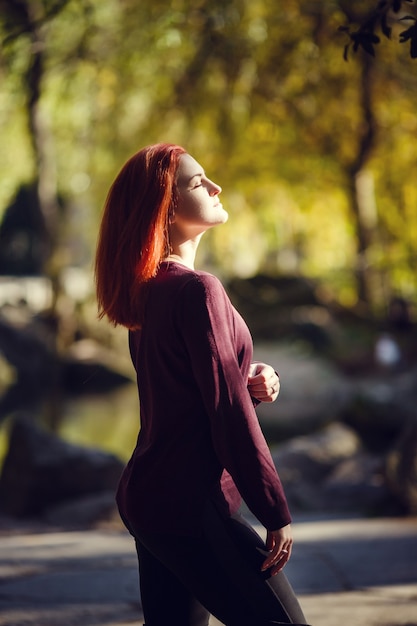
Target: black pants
<point>184,579</point>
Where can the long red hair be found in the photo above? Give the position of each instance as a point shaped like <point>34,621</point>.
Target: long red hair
<point>133,237</point>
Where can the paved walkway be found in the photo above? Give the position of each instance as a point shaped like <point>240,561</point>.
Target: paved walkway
<point>346,573</point>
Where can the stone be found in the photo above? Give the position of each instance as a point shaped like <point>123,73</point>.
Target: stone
<point>330,471</point>
<point>89,368</point>
<point>313,393</point>
<point>29,352</point>
<point>382,406</point>
<point>356,483</point>
<point>401,469</point>
<point>282,306</point>
<point>41,470</point>
<point>90,511</point>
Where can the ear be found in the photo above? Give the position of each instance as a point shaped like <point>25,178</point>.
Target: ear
<point>171,214</point>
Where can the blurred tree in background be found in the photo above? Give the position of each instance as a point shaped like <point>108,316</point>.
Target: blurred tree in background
<point>304,112</point>
<point>315,155</point>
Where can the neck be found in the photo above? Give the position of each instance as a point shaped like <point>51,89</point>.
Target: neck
<point>184,252</point>
<point>179,259</point>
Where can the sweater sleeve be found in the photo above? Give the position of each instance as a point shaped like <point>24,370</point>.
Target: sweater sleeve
<point>207,322</point>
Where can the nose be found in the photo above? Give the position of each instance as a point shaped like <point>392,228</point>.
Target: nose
<point>214,189</point>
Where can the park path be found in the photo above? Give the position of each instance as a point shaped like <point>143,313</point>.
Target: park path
<point>355,572</point>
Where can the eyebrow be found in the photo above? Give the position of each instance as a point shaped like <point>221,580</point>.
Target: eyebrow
<point>198,175</point>
<point>187,180</point>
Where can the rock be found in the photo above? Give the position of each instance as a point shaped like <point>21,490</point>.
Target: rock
<point>329,471</point>
<point>28,350</point>
<point>42,374</point>
<point>41,470</point>
<point>95,510</point>
<point>357,483</point>
<point>312,393</point>
<point>401,469</point>
<point>278,307</point>
<point>25,244</point>
<point>89,368</point>
<point>382,407</point>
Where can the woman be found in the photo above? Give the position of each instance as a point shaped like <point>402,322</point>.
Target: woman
<point>200,448</point>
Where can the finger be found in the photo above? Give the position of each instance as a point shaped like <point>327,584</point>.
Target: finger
<point>269,562</point>
<point>272,552</point>
<point>278,556</point>
<point>265,381</point>
<point>271,394</point>
<point>265,398</point>
<point>285,556</point>
<point>280,565</point>
<point>258,381</point>
<point>268,387</point>
<point>270,541</point>
<point>280,561</point>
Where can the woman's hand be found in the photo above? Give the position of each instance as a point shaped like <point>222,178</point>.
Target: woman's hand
<point>279,544</point>
<point>263,382</point>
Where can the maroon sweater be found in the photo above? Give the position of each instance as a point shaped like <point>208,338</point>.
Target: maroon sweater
<point>200,437</point>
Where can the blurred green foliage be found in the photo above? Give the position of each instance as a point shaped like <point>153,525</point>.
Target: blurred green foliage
<point>316,155</point>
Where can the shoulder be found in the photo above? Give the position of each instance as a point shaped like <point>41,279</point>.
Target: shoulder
<point>204,285</point>
<point>195,287</point>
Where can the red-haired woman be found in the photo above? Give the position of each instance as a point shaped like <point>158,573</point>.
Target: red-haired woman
<point>200,448</point>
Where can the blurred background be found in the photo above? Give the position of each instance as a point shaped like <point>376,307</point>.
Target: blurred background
<point>316,153</point>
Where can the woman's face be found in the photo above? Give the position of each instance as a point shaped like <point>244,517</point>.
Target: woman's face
<point>198,207</point>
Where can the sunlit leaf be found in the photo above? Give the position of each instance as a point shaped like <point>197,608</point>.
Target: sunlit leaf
<point>410,35</point>
<point>387,30</point>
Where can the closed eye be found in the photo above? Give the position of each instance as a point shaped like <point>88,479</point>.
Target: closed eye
<point>198,178</point>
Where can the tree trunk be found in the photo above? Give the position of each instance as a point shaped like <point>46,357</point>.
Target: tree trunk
<point>45,173</point>
<point>360,186</point>
<point>46,189</point>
